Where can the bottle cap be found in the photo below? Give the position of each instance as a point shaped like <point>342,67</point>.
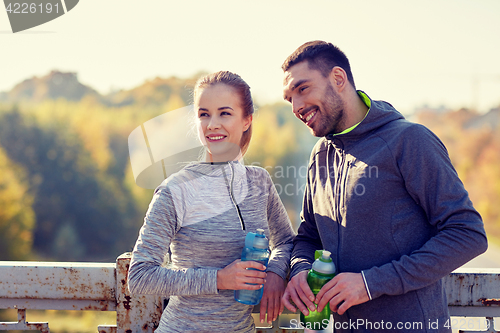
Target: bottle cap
<point>257,240</point>
<point>260,241</point>
<point>326,255</point>
<point>324,264</point>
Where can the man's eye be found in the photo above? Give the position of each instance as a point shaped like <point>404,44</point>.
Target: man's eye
<point>301,89</point>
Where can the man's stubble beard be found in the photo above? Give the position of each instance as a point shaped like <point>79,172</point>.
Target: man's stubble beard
<point>332,114</point>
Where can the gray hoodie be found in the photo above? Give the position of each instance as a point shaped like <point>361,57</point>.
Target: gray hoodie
<point>193,214</point>
<point>385,199</point>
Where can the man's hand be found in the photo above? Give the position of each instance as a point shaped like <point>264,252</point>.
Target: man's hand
<point>343,291</point>
<point>271,299</point>
<point>298,290</point>
<point>237,276</point>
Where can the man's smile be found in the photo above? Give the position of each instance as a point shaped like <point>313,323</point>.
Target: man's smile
<point>308,116</point>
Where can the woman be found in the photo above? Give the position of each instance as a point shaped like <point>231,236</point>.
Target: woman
<point>202,213</point>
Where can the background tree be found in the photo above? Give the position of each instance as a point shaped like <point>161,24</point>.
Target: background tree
<point>17,218</point>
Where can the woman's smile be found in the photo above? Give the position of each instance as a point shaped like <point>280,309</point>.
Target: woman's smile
<point>216,138</point>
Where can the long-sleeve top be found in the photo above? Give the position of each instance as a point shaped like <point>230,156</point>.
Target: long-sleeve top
<point>385,200</point>
<point>193,212</point>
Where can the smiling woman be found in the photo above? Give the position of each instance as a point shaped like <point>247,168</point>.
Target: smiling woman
<point>202,215</point>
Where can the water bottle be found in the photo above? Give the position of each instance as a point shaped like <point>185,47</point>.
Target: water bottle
<point>255,249</point>
<point>322,271</point>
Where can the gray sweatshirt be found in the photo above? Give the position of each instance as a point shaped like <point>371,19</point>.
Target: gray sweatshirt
<point>385,199</point>
<point>193,214</point>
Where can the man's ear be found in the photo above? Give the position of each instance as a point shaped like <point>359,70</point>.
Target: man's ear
<point>338,78</point>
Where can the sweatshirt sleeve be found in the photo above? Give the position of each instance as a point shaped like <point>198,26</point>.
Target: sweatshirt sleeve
<point>307,240</point>
<point>147,275</point>
<point>280,232</point>
<point>433,183</point>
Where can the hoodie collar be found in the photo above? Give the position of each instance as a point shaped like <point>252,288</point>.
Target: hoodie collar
<point>364,97</point>
<point>379,114</point>
<point>217,169</point>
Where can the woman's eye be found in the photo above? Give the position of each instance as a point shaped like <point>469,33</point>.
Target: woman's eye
<point>301,89</point>
<point>202,114</point>
<point>225,113</point>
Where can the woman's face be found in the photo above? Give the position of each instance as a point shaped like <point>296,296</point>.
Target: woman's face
<point>220,122</point>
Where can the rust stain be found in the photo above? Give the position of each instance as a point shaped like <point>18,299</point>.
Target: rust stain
<point>126,304</point>
<point>490,301</point>
<point>42,327</point>
<point>102,306</point>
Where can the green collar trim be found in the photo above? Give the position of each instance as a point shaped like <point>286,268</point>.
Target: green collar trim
<point>364,97</point>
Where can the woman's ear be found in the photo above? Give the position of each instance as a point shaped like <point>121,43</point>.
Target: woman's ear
<point>247,122</point>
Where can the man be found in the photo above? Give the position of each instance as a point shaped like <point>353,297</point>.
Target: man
<point>382,196</point>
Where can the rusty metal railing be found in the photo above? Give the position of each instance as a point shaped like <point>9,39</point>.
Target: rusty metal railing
<point>473,292</point>
<point>102,287</point>
<point>76,286</point>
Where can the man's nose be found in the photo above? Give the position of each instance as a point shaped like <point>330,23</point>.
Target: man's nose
<point>297,106</point>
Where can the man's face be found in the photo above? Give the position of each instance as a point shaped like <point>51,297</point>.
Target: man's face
<point>314,99</point>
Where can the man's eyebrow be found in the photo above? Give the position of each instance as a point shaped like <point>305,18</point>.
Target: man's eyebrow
<point>295,85</point>
<point>298,83</point>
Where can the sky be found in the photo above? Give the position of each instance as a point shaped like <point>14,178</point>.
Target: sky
<point>409,53</point>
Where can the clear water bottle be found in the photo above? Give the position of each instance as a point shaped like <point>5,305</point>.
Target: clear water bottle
<point>322,271</point>
<point>256,249</point>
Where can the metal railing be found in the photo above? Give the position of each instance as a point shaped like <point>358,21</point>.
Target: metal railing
<point>103,287</point>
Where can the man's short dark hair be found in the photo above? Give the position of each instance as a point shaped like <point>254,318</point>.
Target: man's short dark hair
<point>321,56</point>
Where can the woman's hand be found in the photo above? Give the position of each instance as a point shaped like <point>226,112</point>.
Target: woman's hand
<point>236,276</point>
<point>271,299</point>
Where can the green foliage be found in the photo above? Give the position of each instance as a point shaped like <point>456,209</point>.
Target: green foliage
<point>82,212</point>
<point>17,218</point>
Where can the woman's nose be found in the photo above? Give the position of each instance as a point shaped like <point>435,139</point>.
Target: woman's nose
<point>214,123</point>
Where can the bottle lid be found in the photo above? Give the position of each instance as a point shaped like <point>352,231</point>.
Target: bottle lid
<point>324,264</point>
<point>260,241</point>
<point>326,255</point>
<point>257,240</point>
